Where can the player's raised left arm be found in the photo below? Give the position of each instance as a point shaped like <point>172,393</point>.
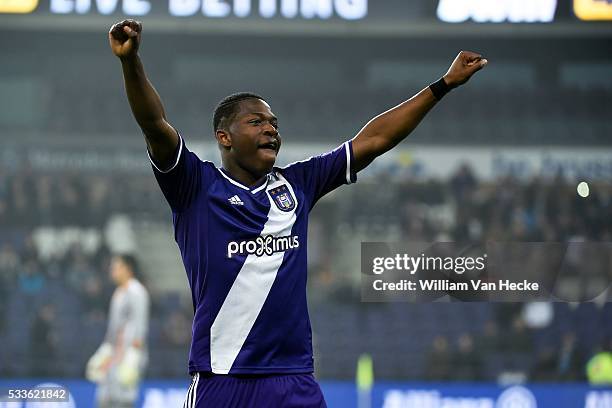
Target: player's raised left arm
<point>386,130</point>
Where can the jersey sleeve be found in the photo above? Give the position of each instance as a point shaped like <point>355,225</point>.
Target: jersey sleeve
<point>180,183</point>
<point>321,174</point>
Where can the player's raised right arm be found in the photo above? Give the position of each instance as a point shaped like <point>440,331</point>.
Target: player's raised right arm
<point>162,139</point>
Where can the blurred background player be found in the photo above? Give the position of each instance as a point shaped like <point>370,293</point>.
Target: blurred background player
<point>239,290</point>
<point>118,364</point>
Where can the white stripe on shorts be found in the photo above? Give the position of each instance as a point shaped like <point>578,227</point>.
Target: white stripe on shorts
<point>187,402</point>
<point>194,391</point>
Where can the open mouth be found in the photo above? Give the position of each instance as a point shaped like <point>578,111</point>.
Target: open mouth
<point>273,145</point>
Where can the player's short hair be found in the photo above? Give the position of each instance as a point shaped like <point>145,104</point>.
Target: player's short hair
<point>228,107</point>
<point>131,262</point>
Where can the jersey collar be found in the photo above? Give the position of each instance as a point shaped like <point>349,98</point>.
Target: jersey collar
<point>255,189</point>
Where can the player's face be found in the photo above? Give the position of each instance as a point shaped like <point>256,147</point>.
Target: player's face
<point>118,270</point>
<point>254,137</point>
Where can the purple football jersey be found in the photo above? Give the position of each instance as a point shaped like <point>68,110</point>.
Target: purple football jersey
<point>244,251</point>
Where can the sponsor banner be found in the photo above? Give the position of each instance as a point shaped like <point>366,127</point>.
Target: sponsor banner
<point>593,9</point>
<point>418,162</point>
<point>442,11</point>
<point>343,394</point>
<point>492,163</point>
<point>288,9</point>
<point>509,11</point>
<point>18,6</point>
<point>348,10</point>
<point>490,396</point>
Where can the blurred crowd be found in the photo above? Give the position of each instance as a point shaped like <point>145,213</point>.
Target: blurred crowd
<point>510,344</point>
<point>466,209</point>
<point>50,302</point>
<point>527,115</point>
<point>30,199</point>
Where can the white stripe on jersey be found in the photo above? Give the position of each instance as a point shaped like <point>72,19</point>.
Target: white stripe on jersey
<point>178,157</point>
<point>348,162</point>
<point>249,291</point>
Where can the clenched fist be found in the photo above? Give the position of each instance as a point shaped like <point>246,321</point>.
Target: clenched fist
<point>124,38</point>
<point>463,67</point>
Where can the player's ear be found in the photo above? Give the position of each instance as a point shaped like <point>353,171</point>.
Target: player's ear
<point>223,138</point>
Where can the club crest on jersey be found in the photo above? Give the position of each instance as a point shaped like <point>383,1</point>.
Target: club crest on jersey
<point>282,198</point>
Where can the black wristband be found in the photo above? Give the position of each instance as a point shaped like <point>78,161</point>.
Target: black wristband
<point>439,88</point>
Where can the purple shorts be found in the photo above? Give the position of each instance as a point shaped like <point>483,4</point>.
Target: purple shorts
<point>270,391</point>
